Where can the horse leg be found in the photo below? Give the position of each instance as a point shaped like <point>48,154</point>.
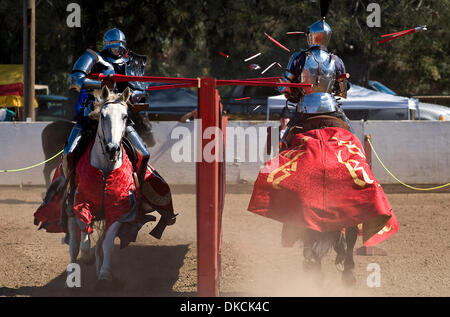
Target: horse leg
<point>47,171</point>
<point>85,247</point>
<point>311,261</point>
<point>105,276</point>
<point>74,244</point>
<point>99,253</point>
<point>348,276</point>
<point>340,247</point>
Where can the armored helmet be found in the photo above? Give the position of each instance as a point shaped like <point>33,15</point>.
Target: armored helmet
<point>114,42</point>
<point>319,34</point>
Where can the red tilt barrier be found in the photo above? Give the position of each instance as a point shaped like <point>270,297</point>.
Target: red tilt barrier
<point>210,175</point>
<point>208,238</point>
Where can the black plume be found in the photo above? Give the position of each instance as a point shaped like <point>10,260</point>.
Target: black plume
<point>324,5</point>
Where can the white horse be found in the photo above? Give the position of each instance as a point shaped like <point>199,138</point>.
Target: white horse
<point>105,155</point>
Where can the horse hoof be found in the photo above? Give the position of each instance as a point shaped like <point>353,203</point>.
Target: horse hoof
<point>340,266</point>
<point>171,221</point>
<point>339,262</point>
<point>348,277</point>
<point>311,266</point>
<point>103,285</point>
<point>108,283</point>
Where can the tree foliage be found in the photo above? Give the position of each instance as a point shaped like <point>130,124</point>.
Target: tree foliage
<point>184,38</point>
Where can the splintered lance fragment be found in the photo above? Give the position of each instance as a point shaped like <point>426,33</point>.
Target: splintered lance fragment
<point>254,66</point>
<point>270,66</point>
<point>224,55</point>
<point>393,36</point>
<point>252,57</point>
<point>277,43</point>
<point>243,98</point>
<point>294,33</point>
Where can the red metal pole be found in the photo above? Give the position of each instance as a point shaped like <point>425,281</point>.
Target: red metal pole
<point>222,189</point>
<point>208,194</point>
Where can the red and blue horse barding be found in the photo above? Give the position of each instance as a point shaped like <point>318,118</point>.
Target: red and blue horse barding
<point>322,189</point>
<point>118,194</point>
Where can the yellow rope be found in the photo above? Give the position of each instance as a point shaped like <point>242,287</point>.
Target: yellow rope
<point>393,176</point>
<point>30,167</point>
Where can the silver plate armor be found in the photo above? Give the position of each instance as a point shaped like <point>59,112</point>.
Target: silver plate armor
<point>320,71</point>
<point>319,34</point>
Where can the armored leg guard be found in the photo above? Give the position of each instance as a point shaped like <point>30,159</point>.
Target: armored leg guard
<point>72,142</point>
<point>140,147</point>
<point>167,215</point>
<point>70,105</point>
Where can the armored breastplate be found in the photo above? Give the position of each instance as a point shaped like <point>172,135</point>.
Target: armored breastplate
<point>119,64</point>
<point>319,70</point>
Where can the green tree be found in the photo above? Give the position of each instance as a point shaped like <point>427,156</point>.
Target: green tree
<point>184,38</point>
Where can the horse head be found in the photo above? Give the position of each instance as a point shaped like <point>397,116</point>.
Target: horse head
<point>111,111</point>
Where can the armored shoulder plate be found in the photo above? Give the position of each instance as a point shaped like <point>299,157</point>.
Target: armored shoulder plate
<point>86,62</point>
<point>81,69</point>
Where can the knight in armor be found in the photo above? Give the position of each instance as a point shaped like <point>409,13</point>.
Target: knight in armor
<point>325,71</point>
<point>113,59</point>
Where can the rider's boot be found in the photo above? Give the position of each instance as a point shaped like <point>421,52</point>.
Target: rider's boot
<point>68,169</point>
<point>69,150</point>
<point>140,147</point>
<point>70,105</point>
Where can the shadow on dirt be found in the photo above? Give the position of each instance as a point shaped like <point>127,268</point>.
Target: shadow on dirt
<point>143,270</point>
<point>19,202</point>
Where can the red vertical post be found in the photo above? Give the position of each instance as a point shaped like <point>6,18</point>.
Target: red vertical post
<point>208,192</point>
<point>222,186</point>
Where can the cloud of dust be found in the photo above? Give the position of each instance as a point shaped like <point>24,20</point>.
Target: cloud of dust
<point>301,284</point>
<point>278,272</point>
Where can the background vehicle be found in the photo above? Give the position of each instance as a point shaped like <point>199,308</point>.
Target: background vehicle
<point>376,85</point>
<point>377,103</point>
<point>429,111</point>
<point>164,104</point>
<point>363,103</point>
<point>235,103</point>
<point>171,104</point>
<point>50,108</point>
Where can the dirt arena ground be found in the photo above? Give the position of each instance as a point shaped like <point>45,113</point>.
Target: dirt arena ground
<point>33,263</point>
